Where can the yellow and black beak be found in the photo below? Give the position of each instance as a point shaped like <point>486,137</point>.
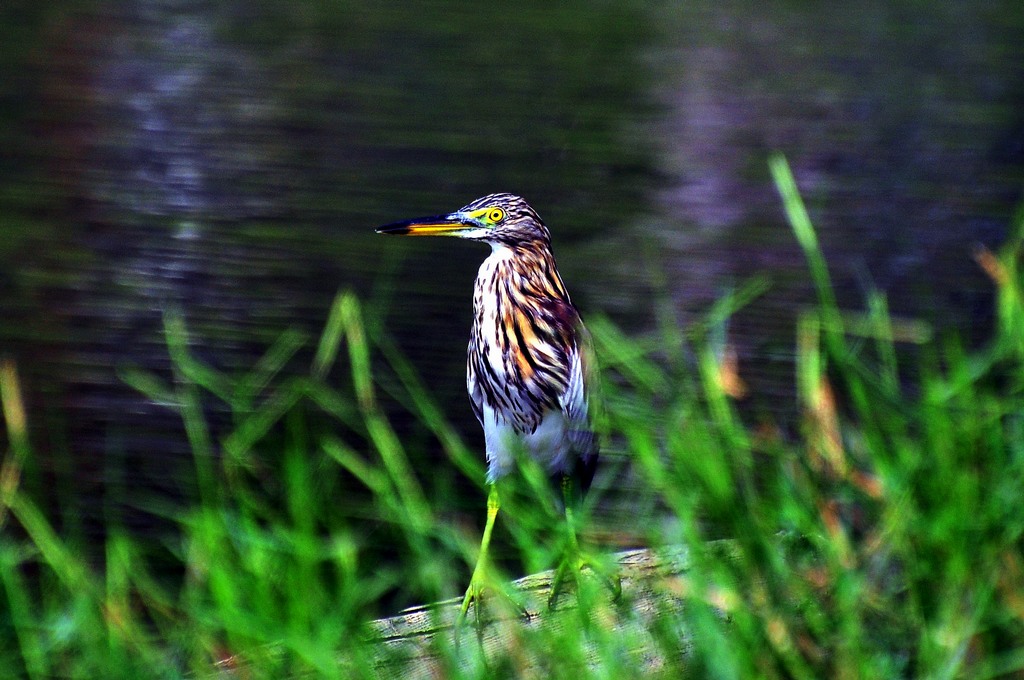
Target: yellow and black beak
<point>439,225</point>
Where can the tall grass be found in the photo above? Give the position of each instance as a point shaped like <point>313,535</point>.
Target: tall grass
<point>884,541</point>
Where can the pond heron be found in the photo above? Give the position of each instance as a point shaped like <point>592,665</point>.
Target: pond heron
<point>529,366</point>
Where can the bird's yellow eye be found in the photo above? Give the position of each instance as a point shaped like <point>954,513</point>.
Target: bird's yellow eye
<point>495,215</point>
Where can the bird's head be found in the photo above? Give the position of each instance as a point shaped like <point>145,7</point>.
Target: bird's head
<point>498,219</point>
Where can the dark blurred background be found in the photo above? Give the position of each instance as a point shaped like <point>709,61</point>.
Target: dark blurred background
<point>230,159</point>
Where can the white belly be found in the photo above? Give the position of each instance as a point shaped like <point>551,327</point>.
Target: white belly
<point>549,444</point>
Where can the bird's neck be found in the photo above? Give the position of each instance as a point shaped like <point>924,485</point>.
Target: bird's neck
<point>525,268</point>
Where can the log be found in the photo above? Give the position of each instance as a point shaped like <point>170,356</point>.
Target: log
<point>423,641</point>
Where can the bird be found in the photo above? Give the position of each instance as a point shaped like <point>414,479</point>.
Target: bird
<point>529,367</point>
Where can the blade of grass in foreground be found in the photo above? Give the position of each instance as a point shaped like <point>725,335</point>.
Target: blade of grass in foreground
<point>381,433</point>
<point>17,435</point>
<point>800,222</point>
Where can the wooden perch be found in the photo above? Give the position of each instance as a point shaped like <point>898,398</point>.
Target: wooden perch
<point>409,644</point>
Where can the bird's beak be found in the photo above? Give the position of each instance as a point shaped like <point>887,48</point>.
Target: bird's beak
<point>439,225</point>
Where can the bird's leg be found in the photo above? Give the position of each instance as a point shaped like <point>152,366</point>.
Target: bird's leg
<point>574,559</point>
<point>476,582</point>
<point>569,561</point>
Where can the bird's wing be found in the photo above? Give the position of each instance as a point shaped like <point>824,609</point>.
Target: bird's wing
<point>577,400</point>
<point>580,403</point>
<point>577,372</point>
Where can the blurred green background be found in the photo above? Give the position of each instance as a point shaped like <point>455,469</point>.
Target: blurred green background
<point>230,160</point>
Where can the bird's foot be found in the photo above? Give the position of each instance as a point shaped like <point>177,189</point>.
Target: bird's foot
<point>571,567</point>
<point>474,597</point>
